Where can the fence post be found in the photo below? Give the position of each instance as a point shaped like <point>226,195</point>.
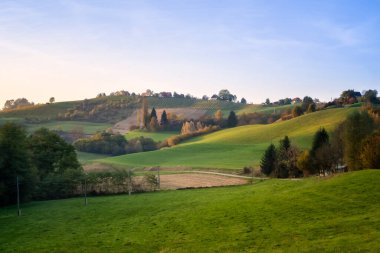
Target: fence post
<point>129,182</point>
<point>85,191</point>
<point>18,198</point>
<point>158,177</point>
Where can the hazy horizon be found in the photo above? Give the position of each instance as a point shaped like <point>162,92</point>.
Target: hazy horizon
<point>73,50</point>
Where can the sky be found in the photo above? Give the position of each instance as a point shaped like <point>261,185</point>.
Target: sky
<point>257,49</point>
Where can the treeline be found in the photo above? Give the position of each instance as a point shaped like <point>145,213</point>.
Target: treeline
<point>17,103</point>
<point>353,145</point>
<point>107,109</point>
<point>46,167</point>
<point>114,144</point>
<point>348,97</point>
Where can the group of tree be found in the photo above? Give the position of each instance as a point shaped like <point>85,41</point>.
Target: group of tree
<point>351,96</point>
<point>46,166</point>
<point>218,120</point>
<point>16,104</point>
<point>353,145</point>
<point>258,118</point>
<point>281,162</point>
<point>225,95</point>
<point>114,144</point>
<point>150,121</point>
<point>283,101</point>
<point>189,130</point>
<point>106,109</point>
<point>307,106</point>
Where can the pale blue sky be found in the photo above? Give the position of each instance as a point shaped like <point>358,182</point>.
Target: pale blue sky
<point>74,49</point>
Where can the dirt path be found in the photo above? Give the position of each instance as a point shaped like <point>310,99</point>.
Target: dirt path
<point>195,180</point>
<point>223,174</point>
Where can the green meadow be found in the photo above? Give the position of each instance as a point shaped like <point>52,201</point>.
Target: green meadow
<point>236,147</point>
<point>337,214</point>
<point>42,111</point>
<point>156,136</point>
<point>85,157</point>
<point>70,126</point>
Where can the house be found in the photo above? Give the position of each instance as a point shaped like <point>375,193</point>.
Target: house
<point>214,97</point>
<point>296,100</point>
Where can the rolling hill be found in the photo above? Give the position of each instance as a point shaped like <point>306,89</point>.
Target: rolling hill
<point>337,214</point>
<point>236,147</point>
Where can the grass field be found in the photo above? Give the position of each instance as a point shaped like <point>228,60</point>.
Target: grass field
<point>84,157</point>
<point>156,136</point>
<point>69,126</point>
<point>6,119</point>
<point>42,111</point>
<point>237,147</point>
<point>338,214</point>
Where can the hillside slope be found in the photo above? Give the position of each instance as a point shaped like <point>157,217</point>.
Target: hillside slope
<point>237,147</point>
<point>338,214</point>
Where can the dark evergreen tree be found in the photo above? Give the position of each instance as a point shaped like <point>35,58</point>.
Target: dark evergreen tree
<point>153,114</point>
<point>164,119</point>
<point>321,152</point>
<point>268,161</point>
<point>287,156</point>
<point>285,143</point>
<point>232,119</point>
<point>320,138</point>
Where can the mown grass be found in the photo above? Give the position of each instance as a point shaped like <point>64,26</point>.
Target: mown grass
<point>338,214</point>
<point>236,147</point>
<point>70,126</point>
<point>84,157</point>
<point>156,136</point>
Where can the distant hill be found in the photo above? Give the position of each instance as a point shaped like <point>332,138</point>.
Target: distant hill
<point>101,113</point>
<point>236,147</point>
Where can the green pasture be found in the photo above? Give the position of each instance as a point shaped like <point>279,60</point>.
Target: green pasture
<point>84,157</point>
<point>9,119</point>
<point>71,126</point>
<point>338,214</point>
<point>40,111</point>
<point>156,136</point>
<point>236,147</point>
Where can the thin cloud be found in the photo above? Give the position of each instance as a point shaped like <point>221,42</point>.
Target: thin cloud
<point>343,35</point>
<point>258,42</point>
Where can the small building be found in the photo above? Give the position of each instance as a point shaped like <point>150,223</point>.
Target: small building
<point>214,97</point>
<point>296,100</point>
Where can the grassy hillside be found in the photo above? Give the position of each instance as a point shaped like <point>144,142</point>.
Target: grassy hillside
<point>69,126</point>
<point>237,147</point>
<point>84,157</point>
<point>340,214</point>
<point>43,111</point>
<point>156,136</point>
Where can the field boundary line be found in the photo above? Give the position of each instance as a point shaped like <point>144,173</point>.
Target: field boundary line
<point>222,174</point>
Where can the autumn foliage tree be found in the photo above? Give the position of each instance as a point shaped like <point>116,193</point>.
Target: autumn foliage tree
<point>370,152</point>
<point>356,128</point>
